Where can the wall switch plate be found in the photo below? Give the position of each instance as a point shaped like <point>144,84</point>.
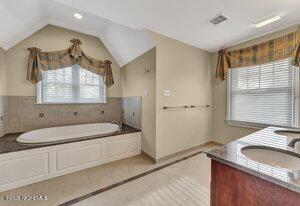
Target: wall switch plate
<point>166,92</point>
<point>146,93</point>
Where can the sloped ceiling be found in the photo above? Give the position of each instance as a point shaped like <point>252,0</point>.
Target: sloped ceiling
<point>122,24</point>
<point>20,19</point>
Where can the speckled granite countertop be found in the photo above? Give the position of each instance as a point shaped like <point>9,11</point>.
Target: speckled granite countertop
<point>230,154</point>
<point>8,142</point>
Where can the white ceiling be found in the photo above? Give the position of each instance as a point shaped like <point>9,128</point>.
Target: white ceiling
<point>186,20</point>
<point>122,24</point>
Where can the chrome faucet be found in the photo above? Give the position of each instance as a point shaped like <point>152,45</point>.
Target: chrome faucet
<point>293,142</point>
<point>119,124</point>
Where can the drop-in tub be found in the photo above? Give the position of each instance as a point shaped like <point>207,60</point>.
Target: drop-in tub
<point>54,134</point>
<point>52,152</point>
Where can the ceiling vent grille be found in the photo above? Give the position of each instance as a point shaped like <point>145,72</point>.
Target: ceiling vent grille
<point>218,19</point>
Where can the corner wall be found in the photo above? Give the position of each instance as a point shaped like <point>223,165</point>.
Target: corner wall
<point>135,80</point>
<point>3,92</point>
<point>186,72</point>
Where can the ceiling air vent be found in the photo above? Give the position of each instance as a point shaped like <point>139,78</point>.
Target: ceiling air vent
<point>218,19</point>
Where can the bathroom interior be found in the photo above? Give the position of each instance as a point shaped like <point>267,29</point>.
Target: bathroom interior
<point>143,102</point>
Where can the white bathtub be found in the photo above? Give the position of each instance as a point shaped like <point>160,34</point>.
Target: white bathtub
<point>28,166</point>
<point>67,132</point>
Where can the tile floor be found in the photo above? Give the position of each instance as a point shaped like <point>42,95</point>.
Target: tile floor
<point>183,183</point>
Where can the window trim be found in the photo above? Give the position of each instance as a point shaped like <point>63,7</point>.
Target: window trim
<point>40,102</point>
<point>254,125</point>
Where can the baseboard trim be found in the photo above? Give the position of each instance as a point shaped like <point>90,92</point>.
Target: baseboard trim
<point>216,143</point>
<point>185,151</point>
<point>148,156</point>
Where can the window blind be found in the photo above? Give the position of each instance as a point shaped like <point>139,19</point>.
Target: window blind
<point>262,94</point>
<point>71,85</point>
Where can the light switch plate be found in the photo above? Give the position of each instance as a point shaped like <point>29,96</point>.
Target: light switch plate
<point>166,92</point>
<point>146,93</point>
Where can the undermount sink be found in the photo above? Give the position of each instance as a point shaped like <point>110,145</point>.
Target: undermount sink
<point>273,157</point>
<point>288,133</point>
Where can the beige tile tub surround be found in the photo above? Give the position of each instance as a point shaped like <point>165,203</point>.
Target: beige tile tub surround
<point>23,114</point>
<point>132,111</point>
<point>2,115</point>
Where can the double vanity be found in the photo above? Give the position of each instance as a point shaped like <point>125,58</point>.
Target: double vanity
<point>262,169</point>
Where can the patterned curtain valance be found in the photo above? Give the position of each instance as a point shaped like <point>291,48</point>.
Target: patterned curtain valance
<point>42,61</point>
<point>276,49</point>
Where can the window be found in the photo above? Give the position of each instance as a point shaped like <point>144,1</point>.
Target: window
<point>263,94</point>
<point>71,85</point>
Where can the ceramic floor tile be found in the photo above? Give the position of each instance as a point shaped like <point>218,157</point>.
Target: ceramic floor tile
<point>52,200</point>
<point>183,182</point>
<point>87,202</point>
<point>170,186</point>
<point>15,192</point>
<point>45,187</point>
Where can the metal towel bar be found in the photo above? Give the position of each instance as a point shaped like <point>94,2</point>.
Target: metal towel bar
<point>185,106</point>
<point>193,106</point>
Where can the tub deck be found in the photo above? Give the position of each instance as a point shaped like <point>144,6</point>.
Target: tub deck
<point>8,142</point>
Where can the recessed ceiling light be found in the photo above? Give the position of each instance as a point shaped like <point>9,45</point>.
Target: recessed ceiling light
<point>78,16</point>
<point>268,21</point>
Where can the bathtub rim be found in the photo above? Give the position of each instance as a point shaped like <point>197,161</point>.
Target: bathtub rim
<point>9,144</point>
<point>85,136</point>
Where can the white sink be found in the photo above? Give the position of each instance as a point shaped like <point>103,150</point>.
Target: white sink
<point>268,156</point>
<point>288,133</point>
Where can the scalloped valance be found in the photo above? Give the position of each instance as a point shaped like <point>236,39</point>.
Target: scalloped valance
<point>273,50</point>
<point>42,61</point>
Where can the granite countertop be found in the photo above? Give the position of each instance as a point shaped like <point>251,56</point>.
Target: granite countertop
<point>8,142</point>
<point>230,154</point>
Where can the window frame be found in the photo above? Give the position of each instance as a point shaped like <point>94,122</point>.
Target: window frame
<point>253,125</point>
<point>39,95</point>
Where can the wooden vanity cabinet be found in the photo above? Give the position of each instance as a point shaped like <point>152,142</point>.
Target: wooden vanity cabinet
<point>233,187</point>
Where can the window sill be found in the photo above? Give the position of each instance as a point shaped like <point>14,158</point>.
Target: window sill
<point>253,125</point>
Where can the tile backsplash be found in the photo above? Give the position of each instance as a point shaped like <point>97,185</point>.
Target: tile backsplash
<point>2,115</point>
<point>21,113</point>
<point>24,115</point>
<point>132,111</point>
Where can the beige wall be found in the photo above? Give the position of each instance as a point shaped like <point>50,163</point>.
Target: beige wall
<point>134,82</point>
<point>186,71</point>
<point>221,132</point>
<point>52,38</point>
<point>2,73</point>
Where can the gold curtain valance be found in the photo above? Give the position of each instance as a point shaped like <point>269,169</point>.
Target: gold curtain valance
<point>42,61</point>
<point>273,50</point>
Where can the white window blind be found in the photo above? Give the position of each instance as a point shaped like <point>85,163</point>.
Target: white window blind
<point>71,85</point>
<point>262,94</point>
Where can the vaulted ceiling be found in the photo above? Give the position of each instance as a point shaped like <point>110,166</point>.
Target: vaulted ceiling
<point>20,19</point>
<point>122,24</point>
